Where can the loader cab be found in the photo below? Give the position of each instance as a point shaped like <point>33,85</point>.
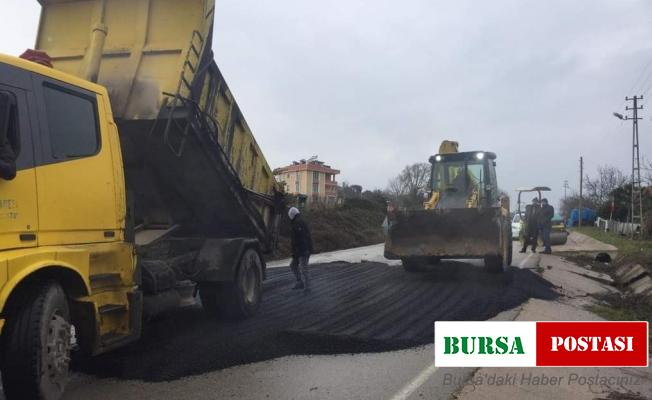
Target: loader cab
<point>464,180</point>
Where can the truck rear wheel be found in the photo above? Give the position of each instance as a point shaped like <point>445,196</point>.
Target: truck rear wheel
<point>37,344</point>
<point>238,299</point>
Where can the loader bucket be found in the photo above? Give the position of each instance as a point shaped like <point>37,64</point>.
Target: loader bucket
<point>446,233</point>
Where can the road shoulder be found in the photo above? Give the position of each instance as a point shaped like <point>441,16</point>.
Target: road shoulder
<point>576,286</point>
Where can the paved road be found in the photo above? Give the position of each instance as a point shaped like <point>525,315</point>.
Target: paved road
<point>224,368</point>
<point>391,374</point>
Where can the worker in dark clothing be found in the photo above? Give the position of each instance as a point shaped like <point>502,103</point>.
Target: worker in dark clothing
<point>531,231</point>
<point>545,224</point>
<point>301,249</point>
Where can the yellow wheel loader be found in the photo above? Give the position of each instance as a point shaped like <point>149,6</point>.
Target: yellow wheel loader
<point>465,216</point>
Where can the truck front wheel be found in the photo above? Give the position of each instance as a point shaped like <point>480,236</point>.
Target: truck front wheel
<point>238,299</point>
<point>37,344</point>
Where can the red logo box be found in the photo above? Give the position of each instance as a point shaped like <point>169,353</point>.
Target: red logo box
<point>592,344</point>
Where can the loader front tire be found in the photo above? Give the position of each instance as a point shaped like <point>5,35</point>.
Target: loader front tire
<point>37,344</point>
<point>413,264</point>
<point>494,264</point>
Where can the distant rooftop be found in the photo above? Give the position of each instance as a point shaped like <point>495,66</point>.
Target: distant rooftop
<point>311,164</point>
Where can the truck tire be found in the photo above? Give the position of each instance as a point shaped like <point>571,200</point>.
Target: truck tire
<point>37,344</point>
<point>238,299</point>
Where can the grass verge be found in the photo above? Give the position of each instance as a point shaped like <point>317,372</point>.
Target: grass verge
<point>619,306</point>
<point>635,250</point>
<point>623,307</point>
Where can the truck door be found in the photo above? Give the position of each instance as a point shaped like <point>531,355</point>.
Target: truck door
<point>18,215</point>
<point>75,178</point>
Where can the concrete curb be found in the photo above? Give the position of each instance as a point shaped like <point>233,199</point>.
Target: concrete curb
<point>634,278</point>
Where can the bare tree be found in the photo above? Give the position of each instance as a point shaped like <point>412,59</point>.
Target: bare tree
<point>395,187</point>
<point>408,186</point>
<point>600,189</point>
<point>647,172</point>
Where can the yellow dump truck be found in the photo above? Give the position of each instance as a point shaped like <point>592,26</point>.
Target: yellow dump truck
<point>465,215</point>
<point>139,185</point>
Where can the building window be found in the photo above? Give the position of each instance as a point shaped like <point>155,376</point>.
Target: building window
<point>297,185</point>
<point>315,182</point>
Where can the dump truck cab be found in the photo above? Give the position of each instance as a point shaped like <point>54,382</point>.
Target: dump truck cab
<point>139,186</point>
<point>464,216</point>
<point>62,243</point>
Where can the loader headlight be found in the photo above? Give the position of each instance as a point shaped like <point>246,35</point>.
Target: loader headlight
<point>438,158</point>
<point>479,156</point>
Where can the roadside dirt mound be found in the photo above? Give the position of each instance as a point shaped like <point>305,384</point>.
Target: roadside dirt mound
<point>353,308</point>
<point>355,224</point>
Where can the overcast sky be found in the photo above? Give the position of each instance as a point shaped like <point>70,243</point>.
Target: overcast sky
<point>372,85</point>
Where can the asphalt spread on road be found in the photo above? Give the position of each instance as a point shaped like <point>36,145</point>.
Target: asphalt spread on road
<point>353,308</point>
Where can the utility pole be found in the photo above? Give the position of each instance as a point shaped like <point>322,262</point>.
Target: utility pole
<point>565,188</point>
<point>581,184</point>
<point>636,210</point>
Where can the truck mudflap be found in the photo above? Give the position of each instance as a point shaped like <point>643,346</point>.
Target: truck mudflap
<point>446,233</point>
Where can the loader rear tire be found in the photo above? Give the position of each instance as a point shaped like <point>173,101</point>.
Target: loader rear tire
<point>414,264</point>
<point>499,264</point>
<point>37,344</point>
<point>509,242</point>
<point>241,298</point>
<point>434,260</point>
<point>494,264</point>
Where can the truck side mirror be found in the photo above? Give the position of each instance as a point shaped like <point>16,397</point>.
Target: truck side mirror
<point>8,136</point>
<point>5,115</point>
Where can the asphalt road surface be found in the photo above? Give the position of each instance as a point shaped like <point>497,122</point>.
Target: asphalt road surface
<point>365,331</point>
<point>353,308</point>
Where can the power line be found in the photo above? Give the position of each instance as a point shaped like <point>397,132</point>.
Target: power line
<point>646,90</point>
<point>642,75</point>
